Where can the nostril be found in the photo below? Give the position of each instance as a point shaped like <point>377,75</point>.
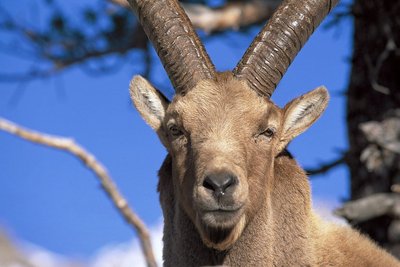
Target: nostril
<point>230,180</point>
<point>209,184</point>
<point>219,182</point>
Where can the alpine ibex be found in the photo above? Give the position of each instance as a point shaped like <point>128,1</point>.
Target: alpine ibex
<point>230,192</point>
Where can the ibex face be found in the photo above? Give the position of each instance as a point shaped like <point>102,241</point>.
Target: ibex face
<point>223,138</point>
<point>221,130</point>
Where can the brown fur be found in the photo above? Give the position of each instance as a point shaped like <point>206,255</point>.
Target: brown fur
<point>290,235</point>
<point>218,127</point>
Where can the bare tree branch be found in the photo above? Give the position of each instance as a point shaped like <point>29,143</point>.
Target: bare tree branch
<point>63,43</point>
<point>395,188</point>
<point>98,169</point>
<point>123,3</point>
<point>323,168</point>
<point>233,15</point>
<point>384,55</point>
<point>59,64</point>
<point>370,207</point>
<point>27,76</point>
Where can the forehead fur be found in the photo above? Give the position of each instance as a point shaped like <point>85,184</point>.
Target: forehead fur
<point>224,98</point>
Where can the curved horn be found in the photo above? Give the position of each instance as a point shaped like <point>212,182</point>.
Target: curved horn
<point>277,44</point>
<point>176,42</point>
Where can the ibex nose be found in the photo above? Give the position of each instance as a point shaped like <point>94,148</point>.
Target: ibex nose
<point>220,183</point>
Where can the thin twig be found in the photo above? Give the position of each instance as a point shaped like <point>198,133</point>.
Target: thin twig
<point>375,70</point>
<point>323,168</point>
<point>98,169</point>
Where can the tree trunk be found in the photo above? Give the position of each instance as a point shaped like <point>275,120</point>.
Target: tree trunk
<point>373,113</point>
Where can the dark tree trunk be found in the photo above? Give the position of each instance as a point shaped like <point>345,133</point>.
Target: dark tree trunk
<point>373,113</point>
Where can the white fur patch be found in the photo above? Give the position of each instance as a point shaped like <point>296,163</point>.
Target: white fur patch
<point>303,111</point>
<point>151,102</point>
<point>148,101</point>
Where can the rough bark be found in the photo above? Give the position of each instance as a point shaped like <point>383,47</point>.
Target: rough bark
<point>373,113</point>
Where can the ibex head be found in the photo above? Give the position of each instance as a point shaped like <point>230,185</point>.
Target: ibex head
<point>221,130</point>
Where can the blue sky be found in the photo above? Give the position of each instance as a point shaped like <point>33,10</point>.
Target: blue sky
<point>49,198</point>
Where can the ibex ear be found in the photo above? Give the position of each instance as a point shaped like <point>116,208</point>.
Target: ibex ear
<point>150,103</point>
<point>301,112</point>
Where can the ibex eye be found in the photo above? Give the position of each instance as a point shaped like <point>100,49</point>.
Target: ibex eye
<point>174,130</point>
<point>269,132</point>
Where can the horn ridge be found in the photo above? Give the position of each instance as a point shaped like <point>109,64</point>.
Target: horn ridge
<point>278,43</point>
<point>176,42</point>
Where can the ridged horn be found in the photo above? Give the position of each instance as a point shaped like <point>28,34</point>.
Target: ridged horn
<point>277,44</point>
<point>176,42</point>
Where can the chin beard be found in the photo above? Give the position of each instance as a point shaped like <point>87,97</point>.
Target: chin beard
<point>221,238</point>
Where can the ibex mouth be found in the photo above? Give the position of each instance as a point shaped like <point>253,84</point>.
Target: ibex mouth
<point>221,214</point>
<point>221,218</point>
<point>223,210</point>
